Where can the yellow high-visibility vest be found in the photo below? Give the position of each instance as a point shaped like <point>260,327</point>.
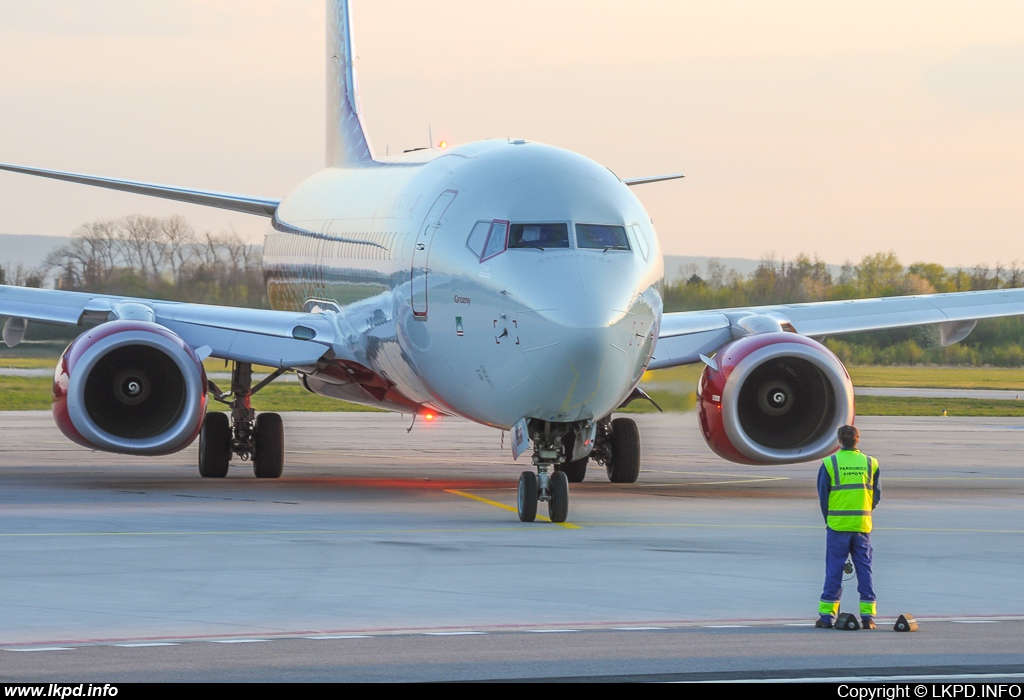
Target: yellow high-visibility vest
<point>852,476</point>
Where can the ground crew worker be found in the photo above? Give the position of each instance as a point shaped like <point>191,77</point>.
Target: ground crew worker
<point>848,491</point>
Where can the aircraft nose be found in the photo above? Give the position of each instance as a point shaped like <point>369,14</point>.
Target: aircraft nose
<point>585,333</point>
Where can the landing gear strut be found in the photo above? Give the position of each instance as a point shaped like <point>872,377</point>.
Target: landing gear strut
<point>549,484</point>
<point>245,434</point>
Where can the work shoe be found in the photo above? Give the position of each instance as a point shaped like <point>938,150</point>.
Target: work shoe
<point>868,623</point>
<point>823,624</point>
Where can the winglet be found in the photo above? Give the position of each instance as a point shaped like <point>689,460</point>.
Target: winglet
<point>346,137</point>
<point>632,182</point>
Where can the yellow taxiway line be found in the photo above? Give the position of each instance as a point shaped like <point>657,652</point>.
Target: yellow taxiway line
<point>496,504</point>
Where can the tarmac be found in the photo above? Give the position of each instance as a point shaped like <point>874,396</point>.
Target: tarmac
<point>387,555</point>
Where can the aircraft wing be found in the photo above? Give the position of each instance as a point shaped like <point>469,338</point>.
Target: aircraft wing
<point>247,204</point>
<point>275,338</point>
<point>685,336</point>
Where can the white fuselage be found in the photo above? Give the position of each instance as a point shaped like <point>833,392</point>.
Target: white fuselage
<point>554,333</point>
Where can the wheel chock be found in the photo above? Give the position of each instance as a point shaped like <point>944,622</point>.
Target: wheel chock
<point>847,621</point>
<point>905,623</point>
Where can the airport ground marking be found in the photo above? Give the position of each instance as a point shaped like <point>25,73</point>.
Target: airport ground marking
<point>450,634</point>
<point>744,526</point>
<point>496,504</point>
<point>717,483</point>
<point>923,678</point>
<point>238,641</point>
<point>967,477</point>
<point>209,533</point>
<point>444,458</point>
<point>673,625</point>
<point>42,649</point>
<point>504,528</point>
<point>742,477</point>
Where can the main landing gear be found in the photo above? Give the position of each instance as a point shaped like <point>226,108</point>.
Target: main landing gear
<point>616,446</point>
<point>245,434</point>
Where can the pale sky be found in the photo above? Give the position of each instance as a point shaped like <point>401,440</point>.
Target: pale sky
<point>831,127</point>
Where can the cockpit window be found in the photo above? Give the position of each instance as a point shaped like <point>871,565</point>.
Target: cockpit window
<point>601,237</point>
<point>641,240</point>
<point>496,239</point>
<point>478,237</point>
<point>541,236</point>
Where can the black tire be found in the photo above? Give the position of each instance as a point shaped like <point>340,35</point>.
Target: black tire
<point>624,466</point>
<point>527,498</point>
<point>558,506</point>
<point>268,455</point>
<point>215,446</point>
<point>574,471</point>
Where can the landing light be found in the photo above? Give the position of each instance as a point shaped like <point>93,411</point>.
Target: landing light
<point>443,144</point>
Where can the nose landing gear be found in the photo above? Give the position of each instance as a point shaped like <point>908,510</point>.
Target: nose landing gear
<point>548,485</point>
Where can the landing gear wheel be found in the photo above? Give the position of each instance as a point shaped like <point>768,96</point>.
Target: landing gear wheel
<point>215,446</point>
<point>624,466</point>
<point>268,457</point>
<point>574,471</point>
<point>558,506</point>
<point>527,501</point>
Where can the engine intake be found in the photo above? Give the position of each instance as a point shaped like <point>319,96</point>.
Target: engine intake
<point>130,387</point>
<point>775,398</point>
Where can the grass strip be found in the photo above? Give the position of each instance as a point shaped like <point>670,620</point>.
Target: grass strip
<point>34,394</point>
<point>25,393</point>
<point>928,406</point>
<point>938,377</point>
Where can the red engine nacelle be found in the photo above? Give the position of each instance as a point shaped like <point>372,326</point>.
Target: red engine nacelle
<point>130,387</point>
<point>775,398</point>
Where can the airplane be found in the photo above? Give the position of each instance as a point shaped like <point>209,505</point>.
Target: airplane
<point>508,282</point>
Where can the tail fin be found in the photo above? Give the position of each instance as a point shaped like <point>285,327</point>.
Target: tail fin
<point>346,138</point>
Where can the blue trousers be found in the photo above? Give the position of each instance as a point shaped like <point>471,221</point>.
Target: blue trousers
<point>838,546</point>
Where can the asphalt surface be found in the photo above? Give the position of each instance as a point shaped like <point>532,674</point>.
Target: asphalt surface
<point>386,555</point>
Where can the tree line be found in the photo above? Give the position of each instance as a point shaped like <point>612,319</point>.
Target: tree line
<point>159,258</point>
<point>166,258</point>
<point>150,257</point>
<point>998,342</point>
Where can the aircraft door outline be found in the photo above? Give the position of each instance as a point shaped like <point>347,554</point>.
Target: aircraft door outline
<point>420,270</point>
